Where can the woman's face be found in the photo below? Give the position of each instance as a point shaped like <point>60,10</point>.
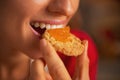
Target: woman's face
<point>16,17</point>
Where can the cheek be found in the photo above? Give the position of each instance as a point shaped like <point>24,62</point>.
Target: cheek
<point>22,8</point>
<point>30,7</point>
<point>75,4</point>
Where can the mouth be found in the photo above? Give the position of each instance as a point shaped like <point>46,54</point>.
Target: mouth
<point>39,28</point>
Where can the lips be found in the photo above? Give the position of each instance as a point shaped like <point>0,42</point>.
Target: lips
<point>39,28</point>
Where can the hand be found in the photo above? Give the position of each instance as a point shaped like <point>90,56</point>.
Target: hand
<point>82,65</point>
<point>57,70</point>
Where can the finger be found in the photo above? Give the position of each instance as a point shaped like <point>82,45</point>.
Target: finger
<point>37,70</point>
<point>48,76</point>
<point>83,58</point>
<point>54,63</point>
<point>81,73</point>
<point>85,43</point>
<point>82,66</point>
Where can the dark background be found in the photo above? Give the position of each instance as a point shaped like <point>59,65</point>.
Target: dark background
<point>101,19</point>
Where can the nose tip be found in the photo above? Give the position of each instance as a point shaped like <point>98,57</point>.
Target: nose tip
<point>62,7</point>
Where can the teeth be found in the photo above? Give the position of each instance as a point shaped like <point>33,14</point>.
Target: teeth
<point>42,25</point>
<point>59,26</point>
<point>47,26</point>
<point>53,26</point>
<point>36,25</point>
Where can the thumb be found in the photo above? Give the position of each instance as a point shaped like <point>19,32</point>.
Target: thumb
<point>55,65</point>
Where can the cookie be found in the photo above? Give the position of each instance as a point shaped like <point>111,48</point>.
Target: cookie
<point>63,41</point>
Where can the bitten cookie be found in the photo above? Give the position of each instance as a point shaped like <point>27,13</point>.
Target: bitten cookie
<point>63,41</point>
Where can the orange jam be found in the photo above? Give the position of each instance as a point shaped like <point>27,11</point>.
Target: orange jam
<point>60,34</point>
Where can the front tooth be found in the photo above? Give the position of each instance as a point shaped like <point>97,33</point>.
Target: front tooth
<point>48,26</point>
<point>36,25</point>
<point>59,26</point>
<point>42,25</point>
<point>53,26</point>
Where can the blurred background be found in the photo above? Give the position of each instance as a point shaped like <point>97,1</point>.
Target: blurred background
<point>101,20</point>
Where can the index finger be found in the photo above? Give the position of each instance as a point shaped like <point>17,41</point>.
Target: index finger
<point>83,58</point>
<point>82,67</point>
<point>54,63</point>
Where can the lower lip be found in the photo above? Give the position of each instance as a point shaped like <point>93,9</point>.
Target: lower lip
<point>36,33</point>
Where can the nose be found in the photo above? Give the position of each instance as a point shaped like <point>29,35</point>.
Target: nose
<point>61,7</point>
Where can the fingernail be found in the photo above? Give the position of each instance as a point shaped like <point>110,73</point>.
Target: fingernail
<point>43,42</point>
<point>85,42</point>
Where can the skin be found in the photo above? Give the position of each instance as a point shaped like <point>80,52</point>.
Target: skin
<point>19,43</point>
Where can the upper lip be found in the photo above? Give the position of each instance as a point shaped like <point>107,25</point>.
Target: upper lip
<point>52,22</point>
